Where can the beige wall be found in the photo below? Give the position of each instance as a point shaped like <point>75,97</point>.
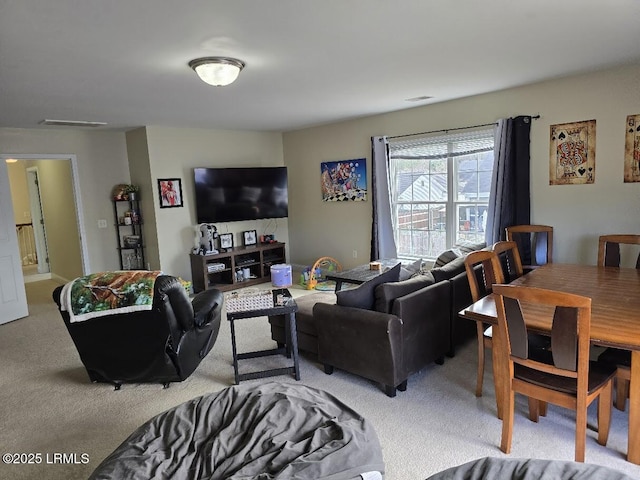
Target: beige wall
<point>101,162</point>
<point>19,191</point>
<point>579,213</point>
<point>174,153</point>
<point>314,228</point>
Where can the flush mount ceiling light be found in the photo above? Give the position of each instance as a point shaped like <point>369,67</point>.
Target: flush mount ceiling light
<point>217,71</point>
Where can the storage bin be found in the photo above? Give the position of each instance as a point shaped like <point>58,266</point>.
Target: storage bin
<point>281,276</point>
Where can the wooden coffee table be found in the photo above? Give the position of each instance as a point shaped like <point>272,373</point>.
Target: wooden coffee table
<point>360,274</point>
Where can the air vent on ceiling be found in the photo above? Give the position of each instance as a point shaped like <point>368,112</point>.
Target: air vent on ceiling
<point>71,123</point>
<point>419,99</point>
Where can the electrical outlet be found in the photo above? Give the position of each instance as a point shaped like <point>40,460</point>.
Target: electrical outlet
<point>355,254</point>
<point>102,224</point>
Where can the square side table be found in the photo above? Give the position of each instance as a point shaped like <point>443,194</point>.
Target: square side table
<point>287,308</point>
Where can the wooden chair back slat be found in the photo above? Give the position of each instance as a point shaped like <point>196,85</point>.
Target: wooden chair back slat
<point>609,252</point>
<point>535,243</point>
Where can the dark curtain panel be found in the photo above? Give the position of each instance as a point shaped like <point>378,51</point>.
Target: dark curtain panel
<point>383,244</point>
<point>509,201</point>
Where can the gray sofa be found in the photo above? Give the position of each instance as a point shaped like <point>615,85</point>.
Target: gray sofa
<point>410,324</point>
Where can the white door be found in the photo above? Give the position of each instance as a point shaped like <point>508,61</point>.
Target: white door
<point>13,298</point>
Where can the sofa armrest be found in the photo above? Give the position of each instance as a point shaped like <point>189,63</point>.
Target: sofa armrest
<point>205,305</point>
<point>426,320</point>
<point>364,342</point>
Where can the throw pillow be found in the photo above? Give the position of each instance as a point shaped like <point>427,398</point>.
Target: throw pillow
<point>386,293</point>
<point>363,296</point>
<point>410,270</point>
<point>447,256</point>
<point>467,247</point>
<point>449,270</point>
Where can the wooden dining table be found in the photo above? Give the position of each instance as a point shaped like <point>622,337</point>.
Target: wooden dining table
<point>615,320</point>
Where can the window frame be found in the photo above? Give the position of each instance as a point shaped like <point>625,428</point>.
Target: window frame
<point>452,203</point>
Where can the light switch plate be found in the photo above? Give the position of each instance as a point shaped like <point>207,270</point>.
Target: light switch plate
<point>102,224</point>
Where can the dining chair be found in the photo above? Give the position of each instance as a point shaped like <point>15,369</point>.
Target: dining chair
<point>566,377</point>
<point>535,243</point>
<point>611,254</point>
<point>509,256</point>
<point>609,251</point>
<point>483,270</point>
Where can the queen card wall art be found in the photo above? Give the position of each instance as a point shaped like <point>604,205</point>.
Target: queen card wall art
<point>572,153</point>
<point>344,180</point>
<point>632,149</point>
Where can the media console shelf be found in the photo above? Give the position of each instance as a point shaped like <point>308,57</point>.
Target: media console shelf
<point>219,270</point>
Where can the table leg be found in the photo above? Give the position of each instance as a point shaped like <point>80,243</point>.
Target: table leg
<point>293,341</point>
<point>633,448</point>
<point>338,285</point>
<point>235,352</point>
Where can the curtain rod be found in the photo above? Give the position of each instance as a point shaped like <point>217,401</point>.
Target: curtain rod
<point>533,117</point>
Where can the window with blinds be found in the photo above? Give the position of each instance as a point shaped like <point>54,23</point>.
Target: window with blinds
<point>440,187</point>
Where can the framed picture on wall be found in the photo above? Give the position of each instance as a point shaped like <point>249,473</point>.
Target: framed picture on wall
<point>344,180</point>
<point>226,241</point>
<point>250,237</point>
<point>170,191</point>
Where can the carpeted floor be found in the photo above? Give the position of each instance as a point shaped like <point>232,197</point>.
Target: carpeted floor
<point>49,406</point>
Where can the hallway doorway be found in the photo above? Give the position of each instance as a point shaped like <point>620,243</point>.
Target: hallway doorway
<point>45,196</point>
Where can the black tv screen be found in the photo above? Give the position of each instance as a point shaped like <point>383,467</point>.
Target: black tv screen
<point>234,194</point>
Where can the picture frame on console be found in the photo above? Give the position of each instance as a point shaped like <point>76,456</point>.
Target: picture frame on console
<point>250,238</point>
<point>226,241</point>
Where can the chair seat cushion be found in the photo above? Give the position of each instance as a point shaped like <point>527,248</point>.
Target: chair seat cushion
<point>599,373</point>
<point>615,356</point>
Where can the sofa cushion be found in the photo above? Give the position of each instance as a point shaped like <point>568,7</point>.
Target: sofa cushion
<point>363,296</point>
<point>410,270</point>
<point>386,293</point>
<point>449,270</point>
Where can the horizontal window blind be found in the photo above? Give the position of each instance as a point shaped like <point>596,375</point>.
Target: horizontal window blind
<point>443,145</point>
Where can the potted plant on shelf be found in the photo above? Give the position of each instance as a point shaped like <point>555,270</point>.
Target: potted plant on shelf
<point>131,191</point>
<point>125,191</point>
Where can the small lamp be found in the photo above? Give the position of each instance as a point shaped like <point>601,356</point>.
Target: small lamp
<point>217,71</point>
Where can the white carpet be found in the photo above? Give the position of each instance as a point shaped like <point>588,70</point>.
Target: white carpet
<point>49,406</point>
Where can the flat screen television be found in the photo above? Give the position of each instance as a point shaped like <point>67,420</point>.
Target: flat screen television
<point>234,194</point>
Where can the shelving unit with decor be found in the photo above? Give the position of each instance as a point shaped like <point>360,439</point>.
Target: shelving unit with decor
<point>220,270</point>
<point>129,233</point>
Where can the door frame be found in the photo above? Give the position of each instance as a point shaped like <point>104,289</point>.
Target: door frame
<point>75,183</point>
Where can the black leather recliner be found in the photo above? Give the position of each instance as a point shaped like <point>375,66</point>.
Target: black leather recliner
<point>163,345</point>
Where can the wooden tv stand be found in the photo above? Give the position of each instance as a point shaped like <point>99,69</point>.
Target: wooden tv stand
<point>257,258</point>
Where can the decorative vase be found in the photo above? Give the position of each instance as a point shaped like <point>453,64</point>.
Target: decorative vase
<point>133,196</point>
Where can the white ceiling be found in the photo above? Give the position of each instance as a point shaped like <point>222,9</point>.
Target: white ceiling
<point>308,62</point>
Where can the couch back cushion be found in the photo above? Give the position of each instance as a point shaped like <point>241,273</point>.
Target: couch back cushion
<point>363,296</point>
<point>386,293</point>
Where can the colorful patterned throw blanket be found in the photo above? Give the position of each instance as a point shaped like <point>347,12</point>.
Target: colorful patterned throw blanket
<point>108,293</point>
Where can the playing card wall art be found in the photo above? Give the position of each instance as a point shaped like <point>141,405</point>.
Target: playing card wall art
<point>572,153</point>
<point>344,180</point>
<point>632,149</point>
